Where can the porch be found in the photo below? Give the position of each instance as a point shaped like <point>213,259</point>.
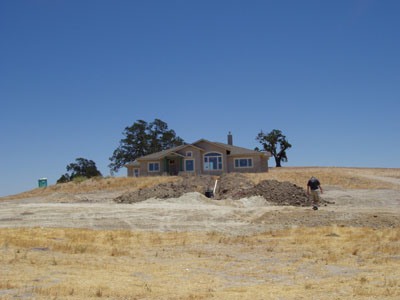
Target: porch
<point>173,164</point>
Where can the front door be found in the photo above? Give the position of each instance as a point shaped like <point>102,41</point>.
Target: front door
<point>173,166</point>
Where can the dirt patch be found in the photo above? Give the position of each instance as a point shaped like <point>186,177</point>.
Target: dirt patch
<point>237,186</point>
<point>175,189</point>
<point>327,217</point>
<point>280,193</point>
<point>377,208</point>
<point>92,197</point>
<point>230,186</point>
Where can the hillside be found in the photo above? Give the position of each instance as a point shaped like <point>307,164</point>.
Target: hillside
<point>72,241</point>
<point>349,178</point>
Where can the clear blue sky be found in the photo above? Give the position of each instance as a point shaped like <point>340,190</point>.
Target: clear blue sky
<point>74,74</point>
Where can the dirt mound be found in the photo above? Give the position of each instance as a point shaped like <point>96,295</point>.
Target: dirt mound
<point>233,186</point>
<point>281,193</point>
<point>237,186</point>
<point>187,184</point>
<point>230,186</point>
<point>192,199</point>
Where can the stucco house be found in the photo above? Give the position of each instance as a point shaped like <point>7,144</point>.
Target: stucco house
<point>200,157</point>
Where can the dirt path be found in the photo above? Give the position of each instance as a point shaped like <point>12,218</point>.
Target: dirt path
<point>194,212</point>
<point>385,179</point>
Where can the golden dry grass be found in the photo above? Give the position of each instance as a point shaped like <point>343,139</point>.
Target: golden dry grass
<point>349,178</point>
<point>352,178</point>
<point>298,263</point>
<point>95,184</point>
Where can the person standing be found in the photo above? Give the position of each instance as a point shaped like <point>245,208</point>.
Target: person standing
<point>314,185</point>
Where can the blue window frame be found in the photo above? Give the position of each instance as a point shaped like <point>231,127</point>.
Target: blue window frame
<point>213,161</point>
<point>189,165</point>
<point>136,172</point>
<point>243,162</point>
<point>154,167</point>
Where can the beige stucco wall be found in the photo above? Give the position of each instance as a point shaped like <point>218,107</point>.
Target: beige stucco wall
<point>144,168</point>
<point>264,164</point>
<point>212,148</point>
<point>196,156</point>
<point>129,171</point>
<point>260,164</point>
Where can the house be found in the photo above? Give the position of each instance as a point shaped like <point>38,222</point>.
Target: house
<point>200,157</point>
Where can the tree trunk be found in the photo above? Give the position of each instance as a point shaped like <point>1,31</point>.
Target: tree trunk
<point>278,162</point>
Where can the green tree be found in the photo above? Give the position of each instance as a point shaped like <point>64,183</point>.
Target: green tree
<point>81,168</point>
<point>64,178</point>
<point>141,139</point>
<point>275,143</point>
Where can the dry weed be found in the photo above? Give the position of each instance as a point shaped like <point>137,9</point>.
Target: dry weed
<point>350,178</point>
<point>306,262</point>
<point>95,184</point>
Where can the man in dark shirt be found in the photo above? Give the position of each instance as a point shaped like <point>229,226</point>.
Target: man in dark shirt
<point>314,184</point>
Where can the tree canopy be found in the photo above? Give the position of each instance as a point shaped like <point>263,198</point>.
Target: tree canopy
<point>81,168</point>
<point>275,143</point>
<point>141,139</point>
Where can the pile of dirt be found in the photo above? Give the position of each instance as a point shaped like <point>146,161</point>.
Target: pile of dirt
<point>280,193</point>
<point>187,184</point>
<point>236,186</point>
<point>233,186</point>
<point>230,186</point>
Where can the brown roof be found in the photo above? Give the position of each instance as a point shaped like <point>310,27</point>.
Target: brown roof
<point>235,150</point>
<point>161,154</point>
<point>133,164</point>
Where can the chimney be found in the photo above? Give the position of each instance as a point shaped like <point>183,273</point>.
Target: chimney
<point>230,138</point>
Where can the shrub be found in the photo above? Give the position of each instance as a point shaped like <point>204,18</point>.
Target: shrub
<point>78,179</point>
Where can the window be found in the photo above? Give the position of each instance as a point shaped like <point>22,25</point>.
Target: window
<point>154,167</point>
<point>136,172</point>
<point>243,162</point>
<point>189,165</point>
<point>213,161</point>
<point>189,153</point>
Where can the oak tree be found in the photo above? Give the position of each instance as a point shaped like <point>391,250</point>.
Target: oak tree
<point>275,143</point>
<point>142,138</point>
<point>81,168</point>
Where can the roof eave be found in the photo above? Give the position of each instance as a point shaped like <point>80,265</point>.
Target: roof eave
<point>206,141</point>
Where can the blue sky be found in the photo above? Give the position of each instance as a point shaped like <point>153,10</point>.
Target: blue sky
<point>74,74</point>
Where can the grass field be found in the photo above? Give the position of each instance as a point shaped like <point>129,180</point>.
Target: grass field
<point>353,178</point>
<point>299,263</point>
<point>349,178</point>
<point>95,184</point>
<point>335,262</point>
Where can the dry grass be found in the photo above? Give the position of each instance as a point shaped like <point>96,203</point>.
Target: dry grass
<point>95,184</point>
<point>352,178</point>
<point>298,263</point>
<point>349,178</point>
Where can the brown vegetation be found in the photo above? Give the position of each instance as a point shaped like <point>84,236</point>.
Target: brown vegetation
<point>301,263</point>
<point>95,184</point>
<point>333,262</point>
<point>351,178</point>
<point>348,178</point>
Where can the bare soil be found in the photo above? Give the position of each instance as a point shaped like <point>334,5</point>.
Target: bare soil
<point>233,186</point>
<point>252,241</point>
<point>180,211</point>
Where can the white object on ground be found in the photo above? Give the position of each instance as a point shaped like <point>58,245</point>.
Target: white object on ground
<point>215,186</point>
